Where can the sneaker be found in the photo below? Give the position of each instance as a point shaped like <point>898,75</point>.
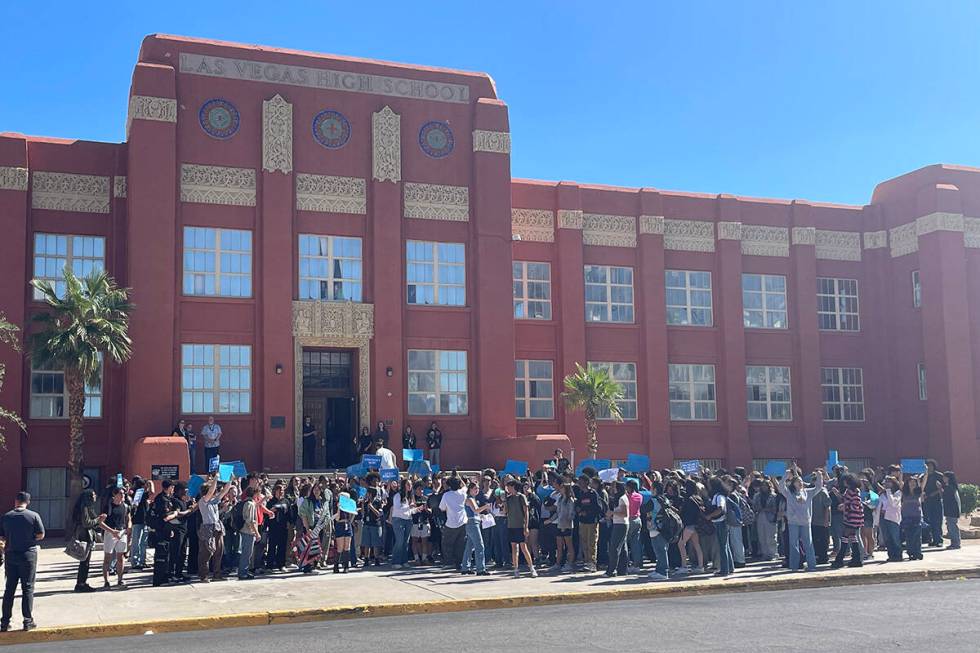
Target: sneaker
<point>4,628</point>
<point>517,573</point>
<point>591,568</point>
<point>655,576</point>
<point>246,578</point>
<point>683,571</point>
<point>697,570</point>
<point>554,569</point>
<point>29,625</point>
<point>534,572</point>
<point>396,566</point>
<point>633,570</point>
<point>567,569</point>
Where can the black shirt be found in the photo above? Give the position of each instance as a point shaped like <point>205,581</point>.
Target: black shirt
<point>116,517</point>
<point>19,528</point>
<point>434,439</point>
<point>408,440</point>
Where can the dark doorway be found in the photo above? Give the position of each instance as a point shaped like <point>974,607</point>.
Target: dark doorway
<point>329,401</point>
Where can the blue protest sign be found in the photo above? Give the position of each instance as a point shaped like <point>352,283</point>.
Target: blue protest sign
<point>389,474</point>
<point>361,491</point>
<point>544,491</point>
<point>355,471</point>
<point>913,465</point>
<point>240,470</point>
<point>411,455</point>
<point>119,480</point>
<point>348,505</point>
<point>637,463</point>
<point>194,485</point>
<point>594,463</point>
<point>691,466</point>
<point>647,496</point>
<point>419,468</point>
<point>137,496</point>
<point>371,462</point>
<point>775,468</point>
<point>213,464</point>
<point>832,460</point>
<point>435,468</point>
<point>515,467</point>
<point>225,472</point>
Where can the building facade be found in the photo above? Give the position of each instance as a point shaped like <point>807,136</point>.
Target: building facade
<point>340,238</point>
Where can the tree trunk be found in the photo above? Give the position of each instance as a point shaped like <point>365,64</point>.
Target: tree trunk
<point>591,429</point>
<point>76,439</point>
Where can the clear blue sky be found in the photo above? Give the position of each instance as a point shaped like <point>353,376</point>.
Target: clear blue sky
<point>816,100</point>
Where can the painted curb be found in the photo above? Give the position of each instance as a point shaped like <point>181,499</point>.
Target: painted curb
<point>242,620</point>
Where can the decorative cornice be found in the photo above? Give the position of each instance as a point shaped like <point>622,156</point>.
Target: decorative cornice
<point>875,239</point>
<point>534,225</point>
<point>652,224</point>
<point>147,107</point>
<point>729,230</point>
<point>13,178</point>
<point>488,141</point>
<point>903,240</point>
<point>119,186</point>
<point>608,230</point>
<point>927,224</point>
<point>569,219</point>
<point>838,245</point>
<point>759,240</point>
<point>277,135</point>
<point>217,185</point>
<point>689,235</point>
<point>437,202</point>
<point>349,320</point>
<point>61,191</point>
<point>331,194</point>
<point>386,153</point>
<point>971,233</point>
<point>804,235</point>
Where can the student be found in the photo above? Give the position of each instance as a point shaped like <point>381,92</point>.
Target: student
<point>343,533</point>
<point>309,443</point>
<point>564,520</point>
<point>588,511</point>
<point>853,509</point>
<point>211,531</point>
<point>277,528</point>
<point>952,508</point>
<point>433,440</point>
<point>140,534</point>
<point>932,503</point>
<point>421,529</point>
<point>381,433</point>
<point>453,534</point>
<point>363,443</point>
<point>657,540</point>
<point>717,514</point>
<point>20,531</point>
<point>799,515</point>
<point>403,508</point>
<point>692,512</point>
<point>518,515</point>
<point>891,517</point>
<point>182,431</point>
<point>619,514</point>
<point>249,533</point>
<point>912,517</point>
<point>372,544</point>
<point>388,460</point>
<point>474,535</point>
<point>116,527</point>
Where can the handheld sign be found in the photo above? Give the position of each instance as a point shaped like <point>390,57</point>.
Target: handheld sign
<point>420,468</point>
<point>348,505</point>
<point>832,460</point>
<point>371,462</point>
<point>411,455</point>
<point>776,468</point>
<point>609,475</point>
<point>239,468</point>
<point>913,465</point>
<point>637,463</point>
<point>389,474</point>
<point>193,485</point>
<point>225,472</point>
<point>434,468</point>
<point>515,468</point>
<point>594,463</point>
<point>137,496</point>
<point>361,491</point>
<point>691,466</point>
<point>119,480</point>
<point>355,471</point>
<point>213,464</point>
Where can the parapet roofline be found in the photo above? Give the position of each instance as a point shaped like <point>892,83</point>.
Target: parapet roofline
<point>485,86</point>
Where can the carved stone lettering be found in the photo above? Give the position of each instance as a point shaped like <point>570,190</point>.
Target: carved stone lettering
<point>488,141</point>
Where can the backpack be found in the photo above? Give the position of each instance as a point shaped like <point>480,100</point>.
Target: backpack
<point>733,512</point>
<point>238,516</point>
<point>154,518</point>
<point>668,522</point>
<point>748,514</point>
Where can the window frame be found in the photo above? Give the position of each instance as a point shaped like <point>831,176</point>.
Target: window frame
<point>626,402</point>
<point>331,261</point>
<point>437,265</point>
<point>688,307</point>
<point>689,386</point>
<point>70,258</point>
<point>841,388</point>
<point>526,399</point>
<point>837,314</point>
<point>215,389</point>
<point>916,289</point>
<point>769,387</point>
<point>437,378</point>
<point>608,304</point>
<point>922,381</point>
<point>524,299</point>
<point>91,393</point>
<point>764,295</point>
<point>217,273</point>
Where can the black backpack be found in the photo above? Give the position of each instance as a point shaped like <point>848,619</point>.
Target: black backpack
<point>668,521</point>
<point>238,516</point>
<point>154,516</point>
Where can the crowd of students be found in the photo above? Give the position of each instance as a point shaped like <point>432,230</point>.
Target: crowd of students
<point>662,524</point>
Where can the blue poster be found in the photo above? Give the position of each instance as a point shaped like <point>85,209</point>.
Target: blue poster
<point>348,505</point>
<point>775,468</point>
<point>515,467</point>
<point>355,471</point>
<point>420,468</point>
<point>411,455</point>
<point>594,463</point>
<point>832,460</point>
<point>361,491</point>
<point>225,472</point>
<point>637,463</point>
<point>119,480</point>
<point>389,474</point>
<point>213,464</point>
<point>371,462</point>
<point>691,466</point>
<point>194,485</point>
<point>913,465</point>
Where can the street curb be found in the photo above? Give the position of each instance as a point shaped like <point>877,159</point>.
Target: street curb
<point>658,590</point>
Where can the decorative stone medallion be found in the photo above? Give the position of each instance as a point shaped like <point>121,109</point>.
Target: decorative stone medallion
<point>219,118</point>
<point>436,139</point>
<point>331,129</point>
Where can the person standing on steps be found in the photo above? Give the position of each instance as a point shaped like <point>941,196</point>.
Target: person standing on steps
<point>309,443</point>
<point>433,440</point>
<point>211,433</point>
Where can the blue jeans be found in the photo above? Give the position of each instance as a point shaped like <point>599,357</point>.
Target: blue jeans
<point>400,529</point>
<point>501,542</point>
<point>192,451</point>
<point>140,536</point>
<point>801,533</point>
<point>893,539</point>
<point>913,538</point>
<point>617,547</point>
<point>724,549</point>
<point>933,512</point>
<point>659,545</point>
<point>738,546</point>
<point>474,547</point>
<point>954,531</point>
<point>633,546</point>
<point>245,554</point>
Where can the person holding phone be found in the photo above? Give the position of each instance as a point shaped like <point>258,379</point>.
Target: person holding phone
<point>116,526</point>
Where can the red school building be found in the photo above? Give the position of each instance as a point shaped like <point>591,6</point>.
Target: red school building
<point>341,238</point>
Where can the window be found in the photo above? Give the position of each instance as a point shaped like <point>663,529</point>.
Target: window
<point>922,382</point>
<point>764,301</point>
<point>768,391</point>
<point>217,262</point>
<point>49,395</point>
<point>216,379</point>
<point>436,382</point>
<point>436,273</point>
<point>53,252</point>
<point>625,375</point>
<point>608,294</point>
<point>688,297</point>
<point>837,305</point>
<point>843,394</point>
<point>329,268</point>
<point>534,389</point>
<point>532,291</point>
<point>916,290</point>
<point>691,389</point>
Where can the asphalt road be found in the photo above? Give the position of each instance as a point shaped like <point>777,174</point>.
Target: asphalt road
<point>925,616</point>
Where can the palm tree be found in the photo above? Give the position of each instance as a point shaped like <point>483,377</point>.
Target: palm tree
<point>595,392</point>
<point>8,336</point>
<point>80,329</point>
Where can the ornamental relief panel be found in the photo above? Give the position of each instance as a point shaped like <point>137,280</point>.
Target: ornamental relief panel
<point>58,191</point>
<point>804,236</point>
<point>13,178</point>
<point>386,153</point>
<point>838,245</point>
<point>652,224</point>
<point>119,186</point>
<point>689,235</point>
<point>569,219</point>
<point>758,240</point>
<point>437,202</point>
<point>331,194</point>
<point>277,135</point>
<point>875,239</point>
<point>343,320</point>
<point>536,225</point>
<point>729,230</point>
<point>971,233</point>
<point>217,185</point>
<point>490,141</point>
<point>903,240</point>
<point>608,230</point>
<point>927,224</point>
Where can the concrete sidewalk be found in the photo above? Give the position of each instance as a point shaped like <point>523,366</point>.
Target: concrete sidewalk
<point>62,614</point>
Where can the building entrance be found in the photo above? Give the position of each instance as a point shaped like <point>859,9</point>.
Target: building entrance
<point>329,400</point>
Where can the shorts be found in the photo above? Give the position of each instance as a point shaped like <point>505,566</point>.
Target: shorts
<point>343,529</point>
<point>111,544</point>
<point>533,525</point>
<point>564,532</point>
<point>420,530</point>
<point>371,536</point>
<point>515,535</point>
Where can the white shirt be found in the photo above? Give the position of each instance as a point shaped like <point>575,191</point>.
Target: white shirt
<point>719,502</point>
<point>452,504</point>
<point>387,458</point>
<point>624,507</point>
<point>400,510</point>
<point>212,435</point>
